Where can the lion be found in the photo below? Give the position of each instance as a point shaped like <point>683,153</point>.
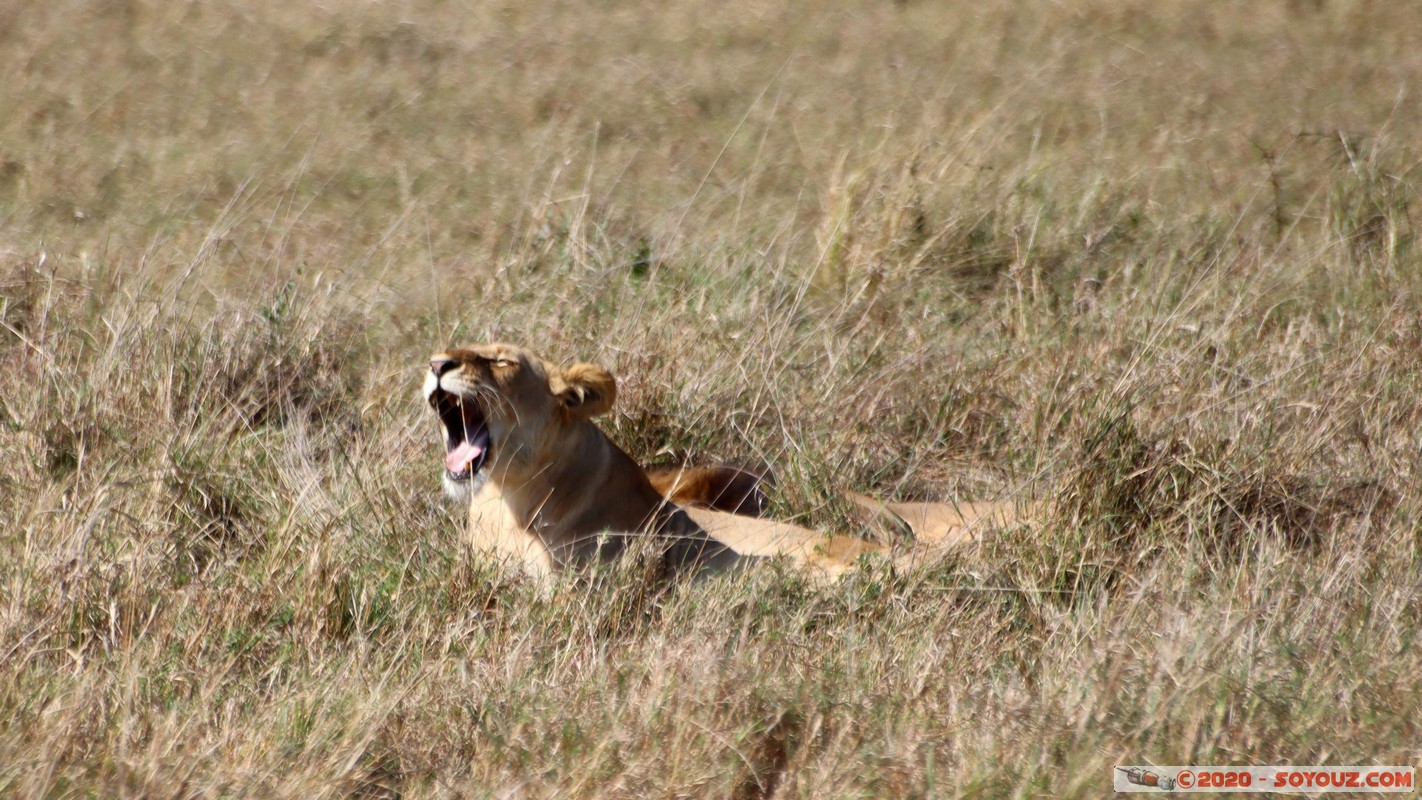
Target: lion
<point>548,489</point>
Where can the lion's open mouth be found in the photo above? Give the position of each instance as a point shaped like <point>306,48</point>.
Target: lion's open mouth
<point>466,434</point>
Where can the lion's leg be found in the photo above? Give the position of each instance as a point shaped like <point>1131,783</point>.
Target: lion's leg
<point>945,523</point>
<point>954,523</point>
<point>824,556</point>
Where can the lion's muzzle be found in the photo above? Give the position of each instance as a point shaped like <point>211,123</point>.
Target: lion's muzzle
<point>466,426</point>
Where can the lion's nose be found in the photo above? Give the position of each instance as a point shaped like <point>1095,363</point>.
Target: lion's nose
<point>441,364</point>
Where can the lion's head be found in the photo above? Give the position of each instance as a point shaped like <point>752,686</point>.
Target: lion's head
<point>501,406</point>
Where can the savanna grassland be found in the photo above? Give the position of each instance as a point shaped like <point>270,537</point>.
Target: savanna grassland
<point>1154,263</point>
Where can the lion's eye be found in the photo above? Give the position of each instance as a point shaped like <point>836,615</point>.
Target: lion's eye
<point>502,362</point>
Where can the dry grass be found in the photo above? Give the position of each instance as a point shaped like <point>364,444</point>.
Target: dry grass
<point>1154,262</point>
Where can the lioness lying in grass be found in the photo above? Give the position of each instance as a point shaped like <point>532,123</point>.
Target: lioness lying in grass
<point>547,488</point>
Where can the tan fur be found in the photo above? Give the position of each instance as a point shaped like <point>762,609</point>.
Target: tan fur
<point>828,556</point>
<point>560,492</point>
<point>938,523</point>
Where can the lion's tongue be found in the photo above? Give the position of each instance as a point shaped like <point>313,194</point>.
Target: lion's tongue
<point>460,457</point>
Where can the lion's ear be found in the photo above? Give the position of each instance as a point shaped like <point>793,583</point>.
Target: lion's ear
<point>585,390</point>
